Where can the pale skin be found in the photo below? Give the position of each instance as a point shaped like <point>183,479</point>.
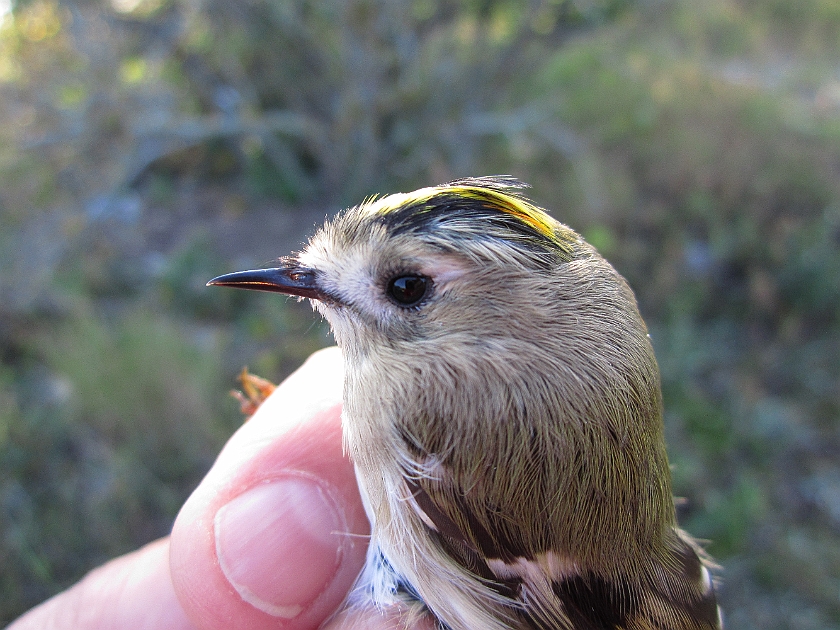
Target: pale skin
<point>273,537</point>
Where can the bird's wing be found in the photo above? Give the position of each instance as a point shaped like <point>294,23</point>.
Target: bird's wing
<point>675,592</point>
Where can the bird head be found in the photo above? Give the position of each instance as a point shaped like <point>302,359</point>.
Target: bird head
<point>470,260</point>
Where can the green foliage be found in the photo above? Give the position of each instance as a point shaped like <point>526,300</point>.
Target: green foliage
<point>182,283</point>
<point>99,454</point>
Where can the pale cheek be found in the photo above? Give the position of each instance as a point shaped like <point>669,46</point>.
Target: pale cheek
<point>348,331</point>
<point>340,326</point>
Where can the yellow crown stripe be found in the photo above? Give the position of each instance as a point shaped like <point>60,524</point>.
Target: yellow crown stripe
<point>520,208</point>
<point>515,206</point>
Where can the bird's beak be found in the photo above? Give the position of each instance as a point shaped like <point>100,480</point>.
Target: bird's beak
<point>291,279</point>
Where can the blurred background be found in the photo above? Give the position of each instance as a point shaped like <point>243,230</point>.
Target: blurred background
<point>148,145</point>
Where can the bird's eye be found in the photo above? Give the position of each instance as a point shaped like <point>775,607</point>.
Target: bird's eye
<point>408,290</point>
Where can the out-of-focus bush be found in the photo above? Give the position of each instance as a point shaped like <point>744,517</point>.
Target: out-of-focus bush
<point>151,144</point>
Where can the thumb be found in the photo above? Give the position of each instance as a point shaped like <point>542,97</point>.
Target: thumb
<point>275,534</point>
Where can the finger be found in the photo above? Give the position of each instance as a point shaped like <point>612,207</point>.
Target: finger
<point>132,591</point>
<point>276,533</point>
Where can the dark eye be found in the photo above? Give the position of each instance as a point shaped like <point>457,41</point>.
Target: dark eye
<point>408,290</point>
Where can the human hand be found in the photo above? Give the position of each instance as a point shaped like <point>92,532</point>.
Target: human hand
<point>273,537</point>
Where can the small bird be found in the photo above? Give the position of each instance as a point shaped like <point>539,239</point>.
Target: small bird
<point>503,410</point>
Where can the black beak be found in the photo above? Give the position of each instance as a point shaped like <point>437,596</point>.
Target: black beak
<point>290,279</point>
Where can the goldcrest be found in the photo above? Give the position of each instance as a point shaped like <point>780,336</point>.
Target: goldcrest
<point>503,411</point>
